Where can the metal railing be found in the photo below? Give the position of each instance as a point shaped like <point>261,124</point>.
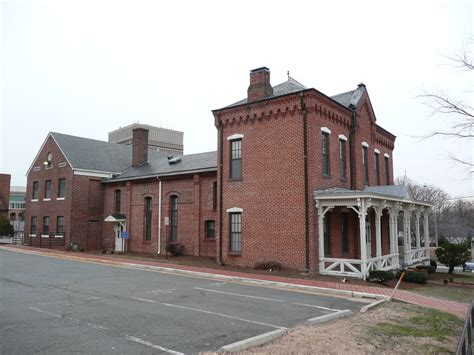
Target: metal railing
<point>465,339</point>
<point>45,240</point>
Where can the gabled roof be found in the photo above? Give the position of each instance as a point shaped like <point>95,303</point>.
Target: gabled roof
<point>90,154</point>
<point>160,166</point>
<point>292,86</point>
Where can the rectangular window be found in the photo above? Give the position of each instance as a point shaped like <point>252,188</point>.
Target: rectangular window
<point>117,199</point>
<point>365,163</point>
<point>60,225</point>
<point>148,215</point>
<point>325,145</point>
<point>387,171</point>
<point>327,234</point>
<point>46,225</point>
<point>174,218</point>
<point>377,168</point>
<point>47,189</point>
<point>33,226</point>
<point>61,188</point>
<point>214,195</point>
<point>342,158</point>
<point>210,229</point>
<point>236,159</point>
<point>235,232</point>
<point>345,232</point>
<point>36,186</point>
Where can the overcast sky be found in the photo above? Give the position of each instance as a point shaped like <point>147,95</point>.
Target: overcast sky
<point>88,67</point>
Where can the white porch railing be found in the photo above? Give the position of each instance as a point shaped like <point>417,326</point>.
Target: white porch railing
<point>353,267</point>
<point>414,256</point>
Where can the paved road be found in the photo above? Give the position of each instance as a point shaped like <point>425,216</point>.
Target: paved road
<point>51,305</point>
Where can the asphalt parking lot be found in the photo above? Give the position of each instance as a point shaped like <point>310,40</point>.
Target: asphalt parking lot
<point>51,305</point>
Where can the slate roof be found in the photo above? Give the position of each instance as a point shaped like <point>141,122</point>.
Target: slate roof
<point>291,86</point>
<point>95,155</point>
<point>91,154</point>
<point>161,167</point>
<point>400,192</point>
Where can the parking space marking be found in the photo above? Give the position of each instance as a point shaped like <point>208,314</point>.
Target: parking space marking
<point>210,312</point>
<point>268,299</point>
<point>151,345</point>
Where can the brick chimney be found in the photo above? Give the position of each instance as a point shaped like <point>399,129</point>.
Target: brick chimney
<point>139,146</point>
<point>260,86</point>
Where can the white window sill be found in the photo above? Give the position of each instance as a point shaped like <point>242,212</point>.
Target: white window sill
<point>35,200</point>
<point>32,235</point>
<point>44,235</point>
<point>58,236</point>
<point>46,199</point>
<point>60,198</point>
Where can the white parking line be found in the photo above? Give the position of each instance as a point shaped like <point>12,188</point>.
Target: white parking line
<point>45,312</point>
<point>210,312</point>
<point>151,345</point>
<point>269,299</point>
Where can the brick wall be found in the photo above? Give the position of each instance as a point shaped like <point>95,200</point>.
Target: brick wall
<point>4,194</point>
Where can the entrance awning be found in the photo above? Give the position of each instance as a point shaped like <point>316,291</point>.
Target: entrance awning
<point>116,217</point>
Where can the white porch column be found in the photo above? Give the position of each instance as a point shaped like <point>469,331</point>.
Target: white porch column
<point>321,237</point>
<point>392,232</point>
<point>363,243</point>
<point>418,242</point>
<point>406,229</point>
<point>426,233</point>
<point>321,212</point>
<point>395,228</point>
<point>378,231</point>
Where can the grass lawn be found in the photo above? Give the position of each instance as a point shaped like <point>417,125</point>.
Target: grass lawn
<point>452,293</point>
<point>392,327</point>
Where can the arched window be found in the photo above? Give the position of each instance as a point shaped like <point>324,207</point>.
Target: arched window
<point>117,200</point>
<point>148,210</point>
<point>174,218</point>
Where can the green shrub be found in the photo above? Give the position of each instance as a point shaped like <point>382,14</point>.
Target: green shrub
<point>381,275</point>
<point>452,255</point>
<point>416,277</point>
<point>6,229</point>
<point>270,265</point>
<point>175,248</point>
<point>429,268</point>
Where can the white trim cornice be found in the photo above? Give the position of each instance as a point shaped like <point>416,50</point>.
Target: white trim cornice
<point>342,137</point>
<point>235,210</point>
<point>235,136</point>
<point>326,130</point>
<point>376,151</point>
<point>386,155</point>
<point>365,144</point>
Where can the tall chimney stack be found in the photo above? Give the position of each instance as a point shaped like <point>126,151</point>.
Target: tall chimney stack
<point>139,146</point>
<point>260,86</point>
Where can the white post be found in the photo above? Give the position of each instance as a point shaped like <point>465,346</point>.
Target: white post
<point>395,232</point>
<point>363,251</point>
<point>406,229</point>
<point>378,231</point>
<point>392,231</point>
<point>321,237</point>
<point>426,232</point>
<point>418,242</point>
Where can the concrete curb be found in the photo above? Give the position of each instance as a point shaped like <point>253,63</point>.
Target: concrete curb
<point>329,317</point>
<point>254,341</point>
<point>245,280</point>
<point>371,305</point>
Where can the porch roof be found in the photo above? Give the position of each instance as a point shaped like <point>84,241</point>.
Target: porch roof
<point>393,193</point>
<point>116,217</point>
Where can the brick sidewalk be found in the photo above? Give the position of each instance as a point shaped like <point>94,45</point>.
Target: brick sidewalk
<point>456,308</point>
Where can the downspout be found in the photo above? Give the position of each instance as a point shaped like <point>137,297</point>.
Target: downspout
<point>159,216</point>
<point>305,163</point>
<point>352,148</point>
<point>221,166</point>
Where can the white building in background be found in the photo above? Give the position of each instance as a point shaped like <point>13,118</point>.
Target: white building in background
<point>163,139</point>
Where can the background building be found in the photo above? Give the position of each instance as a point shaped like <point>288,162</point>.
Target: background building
<point>166,140</point>
<point>4,194</point>
<point>16,212</point>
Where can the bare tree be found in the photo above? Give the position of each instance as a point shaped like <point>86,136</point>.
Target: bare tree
<point>459,112</point>
<point>424,192</point>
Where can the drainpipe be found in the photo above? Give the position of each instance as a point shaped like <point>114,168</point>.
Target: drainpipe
<point>352,148</point>
<point>305,163</point>
<point>159,216</point>
<point>221,165</point>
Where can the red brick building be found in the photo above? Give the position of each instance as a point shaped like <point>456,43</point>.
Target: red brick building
<point>4,194</point>
<point>298,177</point>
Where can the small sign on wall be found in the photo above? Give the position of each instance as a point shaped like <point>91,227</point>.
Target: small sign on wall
<point>167,221</point>
<point>125,235</point>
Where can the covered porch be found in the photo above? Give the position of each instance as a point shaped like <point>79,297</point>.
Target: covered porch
<point>379,228</point>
